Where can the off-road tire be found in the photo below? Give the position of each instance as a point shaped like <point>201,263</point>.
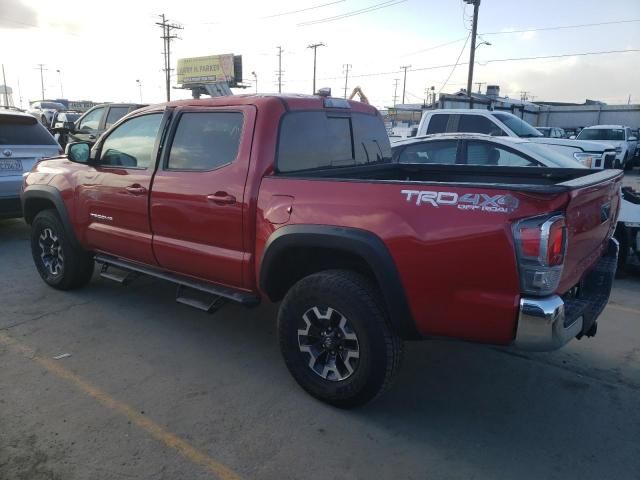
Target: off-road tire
<point>75,264</point>
<point>627,164</point>
<point>357,300</point>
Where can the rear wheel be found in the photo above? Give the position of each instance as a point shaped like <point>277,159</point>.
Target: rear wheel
<point>336,339</point>
<point>60,264</point>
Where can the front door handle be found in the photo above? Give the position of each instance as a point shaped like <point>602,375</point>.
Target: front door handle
<point>136,189</point>
<point>221,198</point>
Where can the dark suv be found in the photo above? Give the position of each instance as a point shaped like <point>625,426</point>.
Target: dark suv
<point>95,121</point>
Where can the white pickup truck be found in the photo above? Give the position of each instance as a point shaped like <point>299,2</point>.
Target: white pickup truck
<point>594,155</point>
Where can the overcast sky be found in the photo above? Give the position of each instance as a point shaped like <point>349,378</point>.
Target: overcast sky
<point>102,47</point>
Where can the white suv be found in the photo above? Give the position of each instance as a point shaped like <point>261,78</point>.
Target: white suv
<point>619,136</point>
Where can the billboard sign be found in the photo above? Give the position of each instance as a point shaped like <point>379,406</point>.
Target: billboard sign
<point>204,70</point>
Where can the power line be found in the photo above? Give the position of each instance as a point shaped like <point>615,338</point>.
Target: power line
<point>433,48</point>
<point>378,6</point>
<point>562,27</point>
<point>455,64</point>
<point>303,9</point>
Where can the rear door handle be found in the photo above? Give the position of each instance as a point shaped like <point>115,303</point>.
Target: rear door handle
<point>221,198</point>
<point>136,189</point>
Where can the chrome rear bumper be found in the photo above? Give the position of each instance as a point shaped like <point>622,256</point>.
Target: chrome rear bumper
<point>548,323</point>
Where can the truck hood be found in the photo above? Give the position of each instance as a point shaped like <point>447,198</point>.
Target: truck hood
<point>584,145</point>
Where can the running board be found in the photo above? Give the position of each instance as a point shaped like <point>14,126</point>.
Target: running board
<point>207,302</point>
<point>238,296</point>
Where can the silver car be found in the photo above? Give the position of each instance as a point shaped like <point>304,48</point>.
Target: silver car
<point>481,150</point>
<point>23,142</point>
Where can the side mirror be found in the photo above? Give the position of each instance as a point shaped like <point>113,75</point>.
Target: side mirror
<point>572,137</point>
<point>633,139</point>
<point>78,152</point>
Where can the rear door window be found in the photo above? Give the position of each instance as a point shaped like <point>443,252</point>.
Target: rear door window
<point>438,123</point>
<point>478,124</point>
<point>205,140</point>
<point>439,152</point>
<point>115,114</point>
<point>490,154</point>
<point>15,130</point>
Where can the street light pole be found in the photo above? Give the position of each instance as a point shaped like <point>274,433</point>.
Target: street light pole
<point>255,75</point>
<point>140,89</point>
<point>474,30</point>
<point>60,79</point>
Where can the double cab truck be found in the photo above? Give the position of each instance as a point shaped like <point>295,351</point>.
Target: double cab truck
<point>296,199</point>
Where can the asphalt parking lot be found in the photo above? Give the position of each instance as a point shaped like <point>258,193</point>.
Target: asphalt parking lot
<point>113,382</point>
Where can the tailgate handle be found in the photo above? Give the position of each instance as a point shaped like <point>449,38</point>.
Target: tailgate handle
<point>221,198</point>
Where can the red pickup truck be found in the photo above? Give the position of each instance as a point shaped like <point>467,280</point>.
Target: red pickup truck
<point>296,199</point>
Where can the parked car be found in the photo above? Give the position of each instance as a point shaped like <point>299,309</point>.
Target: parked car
<point>45,110</point>
<point>628,229</point>
<point>619,136</point>
<point>594,155</point>
<point>23,142</point>
<point>552,132</point>
<point>296,199</point>
<point>62,123</point>
<point>479,149</point>
<point>95,121</point>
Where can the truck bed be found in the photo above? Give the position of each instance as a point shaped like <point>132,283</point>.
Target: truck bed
<point>529,179</point>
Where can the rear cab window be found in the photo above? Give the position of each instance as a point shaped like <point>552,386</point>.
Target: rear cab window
<point>321,139</point>
<point>22,130</point>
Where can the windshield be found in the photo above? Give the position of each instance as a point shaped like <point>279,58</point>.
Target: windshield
<point>616,134</point>
<point>517,126</point>
<point>16,130</point>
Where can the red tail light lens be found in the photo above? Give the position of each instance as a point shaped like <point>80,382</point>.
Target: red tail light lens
<point>541,243</point>
<point>556,243</point>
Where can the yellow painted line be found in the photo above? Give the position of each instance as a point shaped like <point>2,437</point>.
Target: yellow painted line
<point>624,309</point>
<point>156,431</point>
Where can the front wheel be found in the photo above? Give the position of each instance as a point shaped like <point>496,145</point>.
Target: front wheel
<point>336,340</point>
<point>60,264</point>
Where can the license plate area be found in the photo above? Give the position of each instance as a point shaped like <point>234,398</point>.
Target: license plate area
<point>10,165</point>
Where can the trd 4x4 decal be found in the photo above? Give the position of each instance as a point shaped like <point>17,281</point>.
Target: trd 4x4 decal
<point>468,201</point>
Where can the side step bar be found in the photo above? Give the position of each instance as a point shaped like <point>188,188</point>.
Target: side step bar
<point>238,296</point>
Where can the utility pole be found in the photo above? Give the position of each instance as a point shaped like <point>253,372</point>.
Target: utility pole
<point>395,91</point>
<point>346,67</point>
<point>167,37</point>
<point>479,84</point>
<point>404,88</point>
<point>315,48</point>
<point>41,67</point>
<point>279,69</point>
<point>523,96</point>
<point>474,30</point>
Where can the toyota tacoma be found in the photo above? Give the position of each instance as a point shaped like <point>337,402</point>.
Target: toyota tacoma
<point>296,199</point>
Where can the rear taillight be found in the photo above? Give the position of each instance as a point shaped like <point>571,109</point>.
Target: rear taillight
<point>541,244</point>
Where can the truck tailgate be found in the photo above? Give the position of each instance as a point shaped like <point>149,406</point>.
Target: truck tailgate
<point>591,216</point>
